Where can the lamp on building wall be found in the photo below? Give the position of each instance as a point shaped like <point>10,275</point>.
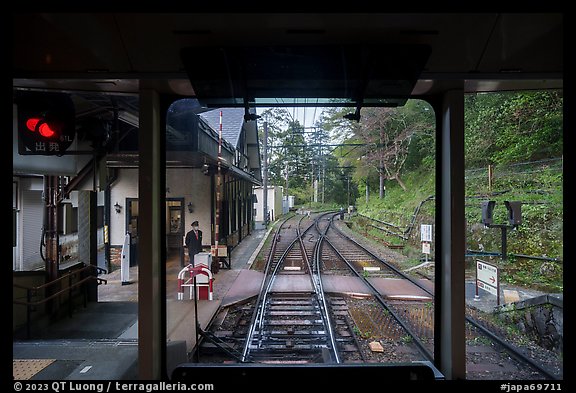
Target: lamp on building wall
<point>190,207</point>
<point>118,208</point>
<point>206,169</point>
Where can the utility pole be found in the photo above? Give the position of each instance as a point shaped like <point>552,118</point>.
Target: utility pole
<point>381,177</point>
<point>490,177</point>
<point>265,170</point>
<point>323,179</point>
<point>216,261</point>
<point>348,190</point>
<point>50,236</point>
<point>316,188</point>
<point>286,187</point>
<point>51,185</point>
<point>367,194</point>
<point>312,184</point>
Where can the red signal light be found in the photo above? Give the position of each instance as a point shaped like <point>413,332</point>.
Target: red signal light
<point>44,129</point>
<point>46,122</point>
<point>31,123</point>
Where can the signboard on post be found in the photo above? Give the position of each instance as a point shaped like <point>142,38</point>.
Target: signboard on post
<point>426,233</point>
<point>426,248</point>
<point>426,239</point>
<point>125,261</point>
<point>487,279</point>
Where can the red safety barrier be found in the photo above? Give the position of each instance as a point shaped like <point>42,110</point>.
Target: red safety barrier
<point>203,282</point>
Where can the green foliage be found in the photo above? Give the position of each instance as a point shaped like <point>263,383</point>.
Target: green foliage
<point>287,155</point>
<point>361,334</point>
<point>542,275</point>
<point>302,195</point>
<point>398,205</point>
<point>500,130</point>
<point>539,187</point>
<point>508,127</point>
<point>406,339</point>
<point>519,134</point>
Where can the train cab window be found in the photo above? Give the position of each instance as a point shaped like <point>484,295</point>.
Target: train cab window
<point>344,274</point>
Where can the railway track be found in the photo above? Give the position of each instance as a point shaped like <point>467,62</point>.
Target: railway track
<point>413,318</point>
<point>499,349</point>
<point>290,327</point>
<point>311,326</point>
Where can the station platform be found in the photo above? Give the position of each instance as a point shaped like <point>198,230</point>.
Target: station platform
<point>100,342</point>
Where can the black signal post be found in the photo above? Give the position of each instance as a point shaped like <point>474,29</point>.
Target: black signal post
<point>514,220</point>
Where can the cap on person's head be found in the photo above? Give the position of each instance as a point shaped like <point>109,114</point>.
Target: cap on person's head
<point>195,223</point>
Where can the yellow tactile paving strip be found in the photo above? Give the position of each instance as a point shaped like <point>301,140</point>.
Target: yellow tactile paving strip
<point>26,368</point>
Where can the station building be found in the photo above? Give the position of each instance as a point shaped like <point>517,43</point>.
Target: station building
<point>191,172</point>
<point>275,203</point>
<point>94,191</point>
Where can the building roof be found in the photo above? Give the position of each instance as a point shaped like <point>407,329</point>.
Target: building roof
<point>232,122</point>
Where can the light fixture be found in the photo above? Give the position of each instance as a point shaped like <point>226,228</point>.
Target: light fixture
<point>250,116</point>
<point>118,208</point>
<point>190,207</point>
<point>206,169</point>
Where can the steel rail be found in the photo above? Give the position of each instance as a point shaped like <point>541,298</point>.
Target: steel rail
<point>512,350</point>
<point>261,294</point>
<point>381,300</point>
<point>387,264</point>
<point>315,276</point>
<point>515,352</point>
<point>257,321</point>
<point>258,315</point>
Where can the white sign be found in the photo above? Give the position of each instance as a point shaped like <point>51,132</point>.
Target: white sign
<point>125,260</point>
<point>488,288</point>
<point>487,277</point>
<point>425,232</point>
<point>426,248</point>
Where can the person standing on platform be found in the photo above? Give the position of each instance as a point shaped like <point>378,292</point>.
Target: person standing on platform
<point>193,241</point>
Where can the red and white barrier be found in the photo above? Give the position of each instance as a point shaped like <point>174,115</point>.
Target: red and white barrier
<point>203,282</point>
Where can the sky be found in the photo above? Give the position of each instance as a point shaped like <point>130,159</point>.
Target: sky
<point>306,116</point>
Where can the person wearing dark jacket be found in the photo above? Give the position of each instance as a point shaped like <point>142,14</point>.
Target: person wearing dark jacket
<point>193,241</point>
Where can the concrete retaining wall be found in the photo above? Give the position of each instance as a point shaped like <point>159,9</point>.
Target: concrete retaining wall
<point>542,318</point>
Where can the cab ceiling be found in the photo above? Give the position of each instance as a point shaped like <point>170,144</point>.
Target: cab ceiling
<point>122,52</point>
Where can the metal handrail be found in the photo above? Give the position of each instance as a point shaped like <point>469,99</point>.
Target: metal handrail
<point>34,290</point>
<point>44,300</point>
<point>60,278</point>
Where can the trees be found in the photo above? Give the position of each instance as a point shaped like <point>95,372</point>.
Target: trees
<point>382,143</point>
<point>387,143</point>
<point>291,162</point>
<point>510,127</point>
<point>388,134</point>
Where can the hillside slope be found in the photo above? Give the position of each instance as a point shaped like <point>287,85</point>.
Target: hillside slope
<point>538,185</point>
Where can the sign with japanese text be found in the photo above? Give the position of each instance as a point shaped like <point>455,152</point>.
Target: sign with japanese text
<point>426,248</point>
<point>426,233</point>
<point>487,277</point>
